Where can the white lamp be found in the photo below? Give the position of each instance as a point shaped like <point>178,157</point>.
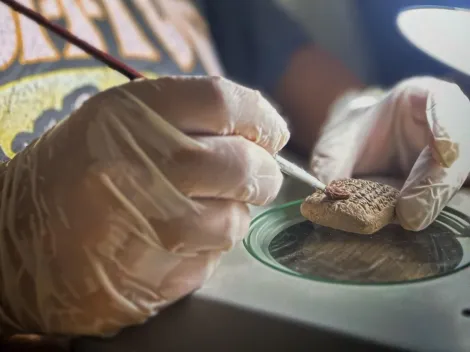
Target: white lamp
<point>441,32</point>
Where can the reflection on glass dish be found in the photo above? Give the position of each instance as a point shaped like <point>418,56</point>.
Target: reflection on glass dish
<point>284,240</point>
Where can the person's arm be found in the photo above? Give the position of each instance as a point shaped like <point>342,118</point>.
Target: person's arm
<point>310,84</point>
<point>262,47</point>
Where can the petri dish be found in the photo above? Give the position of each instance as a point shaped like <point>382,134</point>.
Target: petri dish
<point>285,241</point>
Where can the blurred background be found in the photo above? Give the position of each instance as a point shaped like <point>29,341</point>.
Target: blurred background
<point>363,34</point>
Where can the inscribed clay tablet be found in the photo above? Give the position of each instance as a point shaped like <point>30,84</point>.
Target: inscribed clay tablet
<point>370,207</point>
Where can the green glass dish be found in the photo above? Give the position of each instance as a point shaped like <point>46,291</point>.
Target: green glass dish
<point>284,240</point>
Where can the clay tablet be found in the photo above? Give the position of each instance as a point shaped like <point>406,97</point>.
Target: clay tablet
<point>369,208</point>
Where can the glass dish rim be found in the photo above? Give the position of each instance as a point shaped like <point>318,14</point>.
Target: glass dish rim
<point>282,269</point>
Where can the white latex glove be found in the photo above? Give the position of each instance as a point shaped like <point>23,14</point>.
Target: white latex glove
<point>128,205</point>
<point>420,130</point>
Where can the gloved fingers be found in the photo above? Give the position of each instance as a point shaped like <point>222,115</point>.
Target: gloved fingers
<point>229,167</point>
<point>429,188</point>
<point>124,282</point>
<point>189,275</point>
<point>444,165</point>
<point>147,277</point>
<point>211,106</point>
<point>217,226</point>
<point>191,246</point>
<point>448,116</point>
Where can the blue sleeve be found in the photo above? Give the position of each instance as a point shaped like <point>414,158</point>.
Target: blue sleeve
<point>255,39</point>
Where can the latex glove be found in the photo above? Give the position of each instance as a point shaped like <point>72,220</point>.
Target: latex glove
<point>419,131</point>
<point>128,205</point>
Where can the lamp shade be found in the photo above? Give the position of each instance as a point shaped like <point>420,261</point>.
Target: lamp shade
<point>441,32</point>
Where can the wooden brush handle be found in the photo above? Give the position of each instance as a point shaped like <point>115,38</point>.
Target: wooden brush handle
<point>64,33</point>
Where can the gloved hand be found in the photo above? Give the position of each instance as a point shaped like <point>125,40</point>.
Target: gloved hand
<point>419,131</point>
<point>128,205</point>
